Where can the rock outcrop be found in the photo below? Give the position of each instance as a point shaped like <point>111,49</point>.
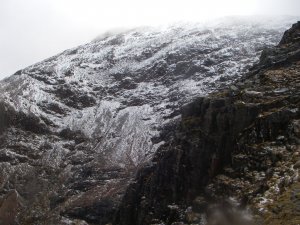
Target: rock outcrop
<point>234,158</point>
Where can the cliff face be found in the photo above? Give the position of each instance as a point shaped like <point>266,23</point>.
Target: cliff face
<point>233,159</point>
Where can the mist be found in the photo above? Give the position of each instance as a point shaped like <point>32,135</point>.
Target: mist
<point>33,30</point>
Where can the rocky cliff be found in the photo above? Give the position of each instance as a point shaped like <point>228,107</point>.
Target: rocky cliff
<point>234,157</point>
<point>76,128</point>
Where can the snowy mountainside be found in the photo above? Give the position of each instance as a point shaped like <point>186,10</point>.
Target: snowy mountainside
<point>122,87</point>
<point>80,123</point>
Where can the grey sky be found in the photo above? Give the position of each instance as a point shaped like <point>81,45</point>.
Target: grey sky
<point>32,30</point>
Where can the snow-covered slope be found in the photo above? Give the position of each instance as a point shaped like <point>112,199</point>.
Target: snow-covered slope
<point>104,103</point>
<point>123,87</point>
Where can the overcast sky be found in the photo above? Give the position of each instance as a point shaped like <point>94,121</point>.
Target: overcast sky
<point>32,30</point>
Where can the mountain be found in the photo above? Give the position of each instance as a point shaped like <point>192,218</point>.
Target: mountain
<point>234,157</point>
<point>77,127</point>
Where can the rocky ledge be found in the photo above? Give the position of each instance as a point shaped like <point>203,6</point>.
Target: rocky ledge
<point>235,155</point>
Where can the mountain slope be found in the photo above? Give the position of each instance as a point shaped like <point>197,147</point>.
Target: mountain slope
<point>76,127</point>
<point>234,157</point>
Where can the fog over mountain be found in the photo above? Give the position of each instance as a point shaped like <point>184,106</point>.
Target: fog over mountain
<point>33,30</point>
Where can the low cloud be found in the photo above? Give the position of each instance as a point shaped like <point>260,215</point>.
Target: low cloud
<point>33,30</point>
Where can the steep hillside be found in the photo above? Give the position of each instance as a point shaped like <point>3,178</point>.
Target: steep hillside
<point>234,158</point>
<point>75,128</point>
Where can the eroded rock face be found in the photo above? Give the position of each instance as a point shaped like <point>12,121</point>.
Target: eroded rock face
<point>77,127</point>
<point>233,150</point>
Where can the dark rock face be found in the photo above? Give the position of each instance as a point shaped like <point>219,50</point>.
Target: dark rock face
<point>238,143</point>
<point>9,118</point>
<point>292,35</point>
<point>183,167</point>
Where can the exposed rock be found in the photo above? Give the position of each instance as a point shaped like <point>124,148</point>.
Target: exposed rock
<point>9,208</point>
<point>297,165</point>
<point>228,145</point>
